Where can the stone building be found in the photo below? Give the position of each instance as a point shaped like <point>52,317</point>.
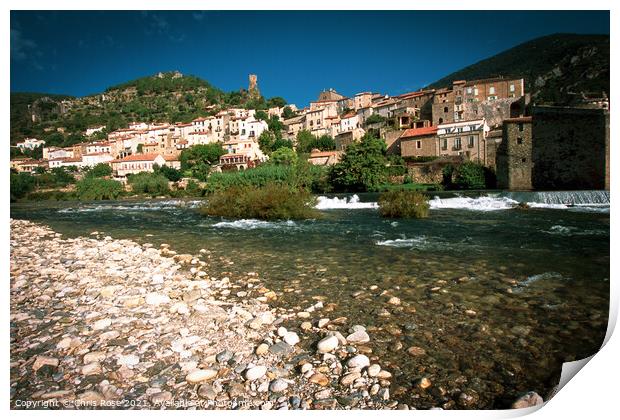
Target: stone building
<point>570,148</point>
<point>464,138</point>
<point>490,99</point>
<point>417,142</point>
<point>514,155</point>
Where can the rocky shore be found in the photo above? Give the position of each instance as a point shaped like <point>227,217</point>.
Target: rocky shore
<point>98,322</point>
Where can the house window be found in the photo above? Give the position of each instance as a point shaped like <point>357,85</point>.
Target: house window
<point>519,140</point>
<point>492,90</point>
<point>476,91</point>
<point>445,109</point>
<point>471,141</point>
<point>459,129</point>
<point>457,143</point>
<point>445,144</point>
<point>512,88</point>
<point>523,160</point>
<point>520,126</point>
<point>418,144</point>
<point>469,90</point>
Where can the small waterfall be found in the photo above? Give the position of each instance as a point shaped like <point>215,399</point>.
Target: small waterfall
<point>560,197</point>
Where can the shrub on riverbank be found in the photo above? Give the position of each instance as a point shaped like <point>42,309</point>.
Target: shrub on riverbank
<point>98,189</point>
<point>21,184</point>
<point>403,204</point>
<point>270,202</point>
<point>300,176</point>
<point>148,183</point>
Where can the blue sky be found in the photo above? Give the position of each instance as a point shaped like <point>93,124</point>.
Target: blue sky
<point>294,54</point>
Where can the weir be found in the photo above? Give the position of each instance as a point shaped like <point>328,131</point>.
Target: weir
<point>559,197</point>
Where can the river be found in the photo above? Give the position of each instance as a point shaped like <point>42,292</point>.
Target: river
<point>497,297</point>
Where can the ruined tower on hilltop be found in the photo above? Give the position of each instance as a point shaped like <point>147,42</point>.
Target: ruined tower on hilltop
<point>253,86</point>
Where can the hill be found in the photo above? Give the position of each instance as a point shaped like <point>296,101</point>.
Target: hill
<point>556,68</point>
<point>164,97</point>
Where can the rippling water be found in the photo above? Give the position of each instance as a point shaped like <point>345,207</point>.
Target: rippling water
<point>534,282</point>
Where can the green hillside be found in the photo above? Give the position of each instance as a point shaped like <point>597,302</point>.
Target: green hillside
<point>164,97</point>
<point>556,68</point>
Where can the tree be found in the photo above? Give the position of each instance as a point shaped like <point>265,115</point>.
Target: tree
<point>275,126</point>
<point>306,142</point>
<point>199,159</point>
<point>276,102</point>
<point>148,183</point>
<point>55,139</point>
<point>139,148</point>
<point>100,170</point>
<point>283,156</point>
<point>169,172</point>
<point>21,184</point>
<point>288,113</point>
<point>363,166</point>
<point>98,189</point>
<point>266,141</point>
<point>375,118</point>
<point>261,115</point>
<point>469,176</point>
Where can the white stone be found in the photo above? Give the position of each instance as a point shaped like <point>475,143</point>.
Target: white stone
<point>360,361</point>
<point>156,299</point>
<point>102,324</point>
<point>291,338</point>
<point>200,375</point>
<point>358,336</point>
<point>255,373</point>
<point>327,344</point>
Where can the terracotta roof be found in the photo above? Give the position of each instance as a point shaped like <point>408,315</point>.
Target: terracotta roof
<point>182,142</point>
<point>146,157</point>
<point>151,144</point>
<point>349,115</point>
<point>96,154</point>
<point>170,158</point>
<point>415,132</point>
<point>323,154</point>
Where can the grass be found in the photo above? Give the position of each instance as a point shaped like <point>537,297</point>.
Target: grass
<point>270,202</point>
<point>403,204</point>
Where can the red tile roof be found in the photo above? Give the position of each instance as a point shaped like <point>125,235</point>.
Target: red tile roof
<point>323,154</point>
<point>415,132</point>
<point>146,157</point>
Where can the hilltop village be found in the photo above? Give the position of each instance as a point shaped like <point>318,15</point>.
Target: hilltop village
<point>491,122</point>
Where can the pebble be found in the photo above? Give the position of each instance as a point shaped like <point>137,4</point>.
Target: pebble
<point>319,379</point>
<point>255,373</point>
<point>200,375</point>
<point>327,344</point>
<point>358,336</point>
<point>291,338</point>
<point>373,370</point>
<point>102,324</point>
<point>416,351</point>
<point>278,385</point>
<point>262,349</point>
<point>349,378</point>
<point>360,361</point>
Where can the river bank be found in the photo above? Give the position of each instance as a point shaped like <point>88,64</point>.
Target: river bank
<point>115,324</point>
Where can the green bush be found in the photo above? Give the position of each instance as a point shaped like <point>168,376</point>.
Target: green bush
<point>300,176</point>
<point>98,189</point>
<point>403,204</point>
<point>271,202</point>
<point>283,156</point>
<point>362,168</point>
<point>100,170</point>
<point>169,172</point>
<point>54,195</point>
<point>469,176</point>
<point>148,183</point>
<point>21,184</point>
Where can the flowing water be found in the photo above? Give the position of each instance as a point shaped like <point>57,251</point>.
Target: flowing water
<point>498,297</point>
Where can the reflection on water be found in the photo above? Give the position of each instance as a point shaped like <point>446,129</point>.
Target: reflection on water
<point>498,299</point>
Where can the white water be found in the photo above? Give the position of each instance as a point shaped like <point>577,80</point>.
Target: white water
<point>251,224</point>
<point>140,206</point>
<point>404,242</point>
<point>325,203</point>
<point>484,203</point>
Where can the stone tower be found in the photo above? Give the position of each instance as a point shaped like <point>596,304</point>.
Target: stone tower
<point>253,86</point>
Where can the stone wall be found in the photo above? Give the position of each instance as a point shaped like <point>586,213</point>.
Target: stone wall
<point>514,155</point>
<point>570,148</point>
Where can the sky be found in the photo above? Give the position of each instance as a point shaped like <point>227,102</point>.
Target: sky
<point>295,54</point>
